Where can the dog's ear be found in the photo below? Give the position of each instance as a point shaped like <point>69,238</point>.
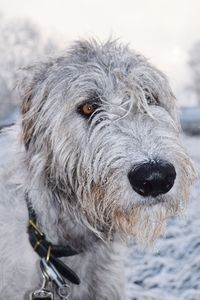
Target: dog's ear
<point>32,96</point>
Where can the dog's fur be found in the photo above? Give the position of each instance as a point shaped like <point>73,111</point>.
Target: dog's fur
<point>75,169</point>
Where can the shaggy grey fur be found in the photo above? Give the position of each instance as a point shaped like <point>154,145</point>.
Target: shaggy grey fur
<point>75,169</point>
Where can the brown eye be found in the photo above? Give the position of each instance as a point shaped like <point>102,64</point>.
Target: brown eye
<point>87,109</point>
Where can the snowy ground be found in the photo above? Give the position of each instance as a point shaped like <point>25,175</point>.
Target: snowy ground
<point>172,270</point>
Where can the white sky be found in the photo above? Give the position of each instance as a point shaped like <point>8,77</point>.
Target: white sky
<point>163,30</point>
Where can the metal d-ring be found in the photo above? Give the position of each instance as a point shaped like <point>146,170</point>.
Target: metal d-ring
<point>64,291</point>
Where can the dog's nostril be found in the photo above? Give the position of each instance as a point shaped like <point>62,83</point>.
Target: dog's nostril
<point>152,179</point>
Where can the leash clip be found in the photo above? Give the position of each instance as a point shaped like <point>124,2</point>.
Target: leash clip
<point>44,292</point>
<point>62,289</point>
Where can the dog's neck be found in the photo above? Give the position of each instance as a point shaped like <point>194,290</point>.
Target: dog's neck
<point>59,222</point>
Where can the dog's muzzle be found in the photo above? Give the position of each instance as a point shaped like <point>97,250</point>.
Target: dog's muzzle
<point>152,178</point>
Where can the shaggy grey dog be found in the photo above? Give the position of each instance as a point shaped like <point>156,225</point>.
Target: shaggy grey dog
<point>98,151</point>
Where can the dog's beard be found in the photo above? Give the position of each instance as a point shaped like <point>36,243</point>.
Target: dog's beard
<point>145,224</point>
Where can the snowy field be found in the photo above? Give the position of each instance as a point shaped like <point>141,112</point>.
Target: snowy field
<point>172,270</point>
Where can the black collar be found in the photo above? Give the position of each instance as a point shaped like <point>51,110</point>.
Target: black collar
<point>46,249</point>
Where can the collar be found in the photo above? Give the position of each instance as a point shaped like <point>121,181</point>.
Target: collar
<point>46,249</point>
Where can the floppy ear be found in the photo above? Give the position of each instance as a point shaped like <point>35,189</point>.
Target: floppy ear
<point>32,96</point>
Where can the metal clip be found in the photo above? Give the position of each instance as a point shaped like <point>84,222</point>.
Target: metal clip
<point>63,289</point>
<point>43,292</point>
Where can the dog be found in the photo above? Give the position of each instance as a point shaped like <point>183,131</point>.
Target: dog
<point>97,158</point>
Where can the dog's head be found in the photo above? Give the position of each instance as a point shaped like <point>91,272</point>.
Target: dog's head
<point>101,131</point>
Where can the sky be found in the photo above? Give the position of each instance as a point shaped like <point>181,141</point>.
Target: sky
<point>163,30</point>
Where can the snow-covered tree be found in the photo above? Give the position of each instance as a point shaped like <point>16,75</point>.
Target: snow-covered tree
<point>20,44</point>
<point>195,66</point>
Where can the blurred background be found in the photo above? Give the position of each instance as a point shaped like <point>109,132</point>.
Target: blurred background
<point>168,34</point>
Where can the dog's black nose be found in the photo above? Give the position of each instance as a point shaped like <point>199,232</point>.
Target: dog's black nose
<point>152,178</point>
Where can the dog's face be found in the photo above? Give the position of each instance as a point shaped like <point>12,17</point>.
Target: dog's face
<point>103,123</point>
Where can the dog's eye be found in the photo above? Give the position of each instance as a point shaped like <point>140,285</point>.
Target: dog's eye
<point>87,109</point>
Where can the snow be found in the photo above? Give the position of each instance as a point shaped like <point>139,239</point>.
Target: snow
<point>5,143</point>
